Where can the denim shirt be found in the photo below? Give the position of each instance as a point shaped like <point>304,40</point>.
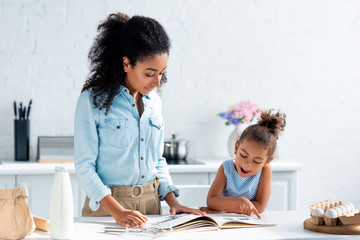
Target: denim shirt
<point>120,148</point>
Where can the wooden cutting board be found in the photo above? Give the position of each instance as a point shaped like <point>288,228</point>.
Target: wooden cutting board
<point>347,230</point>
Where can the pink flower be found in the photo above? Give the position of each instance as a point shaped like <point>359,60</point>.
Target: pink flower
<point>243,112</point>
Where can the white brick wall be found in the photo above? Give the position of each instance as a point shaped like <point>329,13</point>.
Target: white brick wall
<point>300,56</point>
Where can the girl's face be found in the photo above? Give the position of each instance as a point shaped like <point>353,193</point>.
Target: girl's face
<point>250,157</point>
<point>145,76</point>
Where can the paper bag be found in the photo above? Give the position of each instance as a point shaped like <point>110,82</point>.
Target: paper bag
<point>16,220</point>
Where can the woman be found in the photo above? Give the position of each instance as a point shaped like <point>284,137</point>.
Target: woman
<point>119,132</point>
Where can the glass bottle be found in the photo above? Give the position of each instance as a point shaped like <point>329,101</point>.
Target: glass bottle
<point>61,206</point>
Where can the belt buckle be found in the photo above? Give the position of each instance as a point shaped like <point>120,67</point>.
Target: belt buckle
<point>141,191</point>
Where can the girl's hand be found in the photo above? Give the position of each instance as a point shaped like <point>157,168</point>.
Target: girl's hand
<point>130,218</point>
<point>177,208</point>
<point>247,207</point>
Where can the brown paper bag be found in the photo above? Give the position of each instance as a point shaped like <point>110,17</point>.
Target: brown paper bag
<point>16,220</point>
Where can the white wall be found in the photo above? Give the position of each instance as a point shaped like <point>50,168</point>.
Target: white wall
<point>299,56</point>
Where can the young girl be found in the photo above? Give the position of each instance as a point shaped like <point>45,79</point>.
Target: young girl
<point>119,134</point>
<point>243,184</point>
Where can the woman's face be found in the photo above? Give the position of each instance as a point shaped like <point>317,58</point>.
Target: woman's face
<point>145,76</point>
<point>250,157</point>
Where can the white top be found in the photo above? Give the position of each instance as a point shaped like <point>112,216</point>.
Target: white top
<point>237,186</point>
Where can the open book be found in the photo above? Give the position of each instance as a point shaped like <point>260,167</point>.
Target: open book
<point>191,222</point>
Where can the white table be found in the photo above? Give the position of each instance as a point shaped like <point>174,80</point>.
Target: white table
<point>289,226</point>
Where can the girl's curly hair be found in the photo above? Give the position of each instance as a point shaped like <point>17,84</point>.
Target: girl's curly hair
<point>120,36</point>
<point>267,129</point>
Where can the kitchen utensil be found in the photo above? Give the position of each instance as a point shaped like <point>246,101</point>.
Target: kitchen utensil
<point>55,149</point>
<point>28,109</point>
<point>15,110</point>
<point>175,149</point>
<point>182,149</point>
<point>169,150</point>
<point>353,229</point>
<point>21,139</point>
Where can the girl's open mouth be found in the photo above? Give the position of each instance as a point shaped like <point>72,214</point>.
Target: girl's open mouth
<point>243,171</point>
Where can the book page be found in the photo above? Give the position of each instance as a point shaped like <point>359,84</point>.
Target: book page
<point>211,221</point>
<point>226,220</point>
<point>173,220</point>
<point>191,222</point>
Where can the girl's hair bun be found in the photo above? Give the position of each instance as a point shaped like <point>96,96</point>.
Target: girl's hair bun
<point>275,121</point>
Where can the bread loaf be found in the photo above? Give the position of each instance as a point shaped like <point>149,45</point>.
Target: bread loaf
<point>42,224</point>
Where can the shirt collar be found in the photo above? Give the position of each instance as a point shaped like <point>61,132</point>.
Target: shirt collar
<point>123,88</point>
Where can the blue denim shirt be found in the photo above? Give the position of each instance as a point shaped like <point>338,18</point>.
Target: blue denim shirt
<point>119,149</point>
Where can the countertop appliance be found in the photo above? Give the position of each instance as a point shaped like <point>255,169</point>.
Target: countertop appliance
<point>175,150</point>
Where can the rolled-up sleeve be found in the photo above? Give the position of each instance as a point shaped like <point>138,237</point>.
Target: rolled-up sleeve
<point>165,183</point>
<point>86,151</point>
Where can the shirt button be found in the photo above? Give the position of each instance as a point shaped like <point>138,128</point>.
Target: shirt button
<point>125,90</point>
<point>133,105</point>
<point>118,127</point>
<point>142,139</point>
<point>142,176</point>
<point>142,158</point>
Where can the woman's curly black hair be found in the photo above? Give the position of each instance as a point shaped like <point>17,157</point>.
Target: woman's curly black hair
<point>120,36</point>
<point>266,131</point>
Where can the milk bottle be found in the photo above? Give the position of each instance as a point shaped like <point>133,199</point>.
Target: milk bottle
<point>61,206</point>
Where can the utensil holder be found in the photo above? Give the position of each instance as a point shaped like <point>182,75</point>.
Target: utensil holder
<point>22,135</point>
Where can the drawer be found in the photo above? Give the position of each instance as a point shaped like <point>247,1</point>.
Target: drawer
<point>190,178</point>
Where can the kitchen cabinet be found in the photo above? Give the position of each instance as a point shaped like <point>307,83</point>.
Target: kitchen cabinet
<point>193,185</point>
<point>78,195</point>
<point>193,182</point>
<point>284,190</point>
<point>38,179</point>
<point>190,178</point>
<point>7,182</point>
<point>39,188</point>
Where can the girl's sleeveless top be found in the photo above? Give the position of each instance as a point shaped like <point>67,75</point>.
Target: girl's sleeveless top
<point>237,186</point>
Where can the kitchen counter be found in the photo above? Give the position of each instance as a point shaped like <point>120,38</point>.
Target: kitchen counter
<point>209,165</point>
<point>193,181</point>
<point>289,226</point>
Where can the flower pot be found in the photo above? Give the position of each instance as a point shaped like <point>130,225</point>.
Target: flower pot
<point>234,136</point>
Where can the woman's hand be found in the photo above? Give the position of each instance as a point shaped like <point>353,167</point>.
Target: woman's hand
<point>130,218</point>
<point>247,207</point>
<point>177,208</point>
<point>122,216</point>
